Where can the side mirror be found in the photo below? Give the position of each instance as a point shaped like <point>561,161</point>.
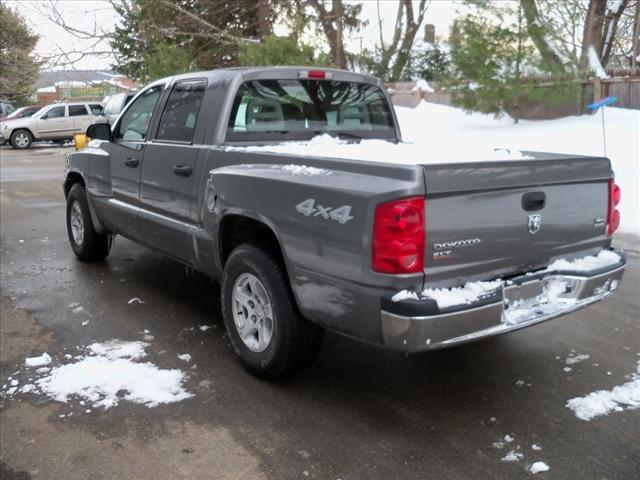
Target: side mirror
<point>99,131</point>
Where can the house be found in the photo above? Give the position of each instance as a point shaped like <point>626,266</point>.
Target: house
<point>80,85</point>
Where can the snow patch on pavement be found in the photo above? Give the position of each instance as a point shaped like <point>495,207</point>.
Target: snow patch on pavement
<point>602,402</point>
<point>40,361</point>
<point>538,467</point>
<point>109,373</point>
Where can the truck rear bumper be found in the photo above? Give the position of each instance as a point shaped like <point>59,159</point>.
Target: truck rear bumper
<point>517,303</point>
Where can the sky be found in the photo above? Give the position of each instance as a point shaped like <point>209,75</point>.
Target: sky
<point>87,15</point>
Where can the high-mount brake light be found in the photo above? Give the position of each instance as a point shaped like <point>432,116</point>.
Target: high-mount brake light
<point>399,236</point>
<point>315,74</point>
<point>613,214</point>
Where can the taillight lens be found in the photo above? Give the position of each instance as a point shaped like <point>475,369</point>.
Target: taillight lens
<point>399,236</point>
<point>613,215</point>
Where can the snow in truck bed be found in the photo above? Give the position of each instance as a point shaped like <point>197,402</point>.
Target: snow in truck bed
<point>438,133</point>
<point>405,153</point>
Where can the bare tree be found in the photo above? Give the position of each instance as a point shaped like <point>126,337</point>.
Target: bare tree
<point>331,22</point>
<point>395,55</point>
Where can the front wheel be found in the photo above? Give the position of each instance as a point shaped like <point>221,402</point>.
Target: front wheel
<point>21,139</point>
<point>86,243</point>
<point>266,330</point>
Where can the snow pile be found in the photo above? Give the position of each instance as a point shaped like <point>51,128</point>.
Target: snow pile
<point>437,127</point>
<point>40,361</point>
<point>387,152</point>
<point>305,170</point>
<point>448,297</point>
<point>604,258</point>
<point>538,467</point>
<point>423,86</point>
<point>603,402</point>
<point>108,374</point>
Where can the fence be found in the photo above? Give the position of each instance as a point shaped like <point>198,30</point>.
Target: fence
<point>626,88</point>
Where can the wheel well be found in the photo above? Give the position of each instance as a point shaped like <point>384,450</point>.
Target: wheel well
<point>22,128</point>
<point>236,230</point>
<point>72,179</point>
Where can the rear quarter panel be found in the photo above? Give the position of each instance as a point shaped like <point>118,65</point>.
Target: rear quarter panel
<point>328,260</point>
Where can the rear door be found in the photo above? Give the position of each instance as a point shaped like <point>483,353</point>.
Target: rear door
<point>54,123</point>
<point>166,191</point>
<point>80,118</point>
<point>126,156</point>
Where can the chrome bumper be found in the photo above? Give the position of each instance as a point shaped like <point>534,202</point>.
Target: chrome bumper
<point>504,312</point>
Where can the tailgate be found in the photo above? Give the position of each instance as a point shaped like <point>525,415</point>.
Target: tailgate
<point>490,219</point>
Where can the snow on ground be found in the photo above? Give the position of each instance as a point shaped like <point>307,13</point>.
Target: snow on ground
<point>437,127</point>
<point>109,373</point>
<point>538,467</point>
<point>603,402</point>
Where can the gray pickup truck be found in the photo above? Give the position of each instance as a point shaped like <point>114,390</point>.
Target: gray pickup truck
<point>409,255</point>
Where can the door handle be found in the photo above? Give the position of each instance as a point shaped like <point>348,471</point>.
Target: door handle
<point>132,162</point>
<point>534,201</point>
<point>182,170</point>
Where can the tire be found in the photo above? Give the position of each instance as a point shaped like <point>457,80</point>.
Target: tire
<point>21,139</point>
<point>294,342</point>
<point>86,243</point>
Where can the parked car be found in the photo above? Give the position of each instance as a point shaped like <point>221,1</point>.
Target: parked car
<point>56,122</point>
<point>115,104</point>
<point>5,108</point>
<point>218,171</point>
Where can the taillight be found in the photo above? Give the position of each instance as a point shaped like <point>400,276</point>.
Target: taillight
<point>399,236</point>
<point>613,215</point>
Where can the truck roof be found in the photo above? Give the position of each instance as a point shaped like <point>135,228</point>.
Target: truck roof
<point>263,73</point>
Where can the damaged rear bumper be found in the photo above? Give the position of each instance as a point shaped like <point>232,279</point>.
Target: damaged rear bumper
<point>415,325</point>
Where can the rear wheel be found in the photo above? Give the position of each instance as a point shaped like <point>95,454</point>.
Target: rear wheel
<point>86,243</point>
<point>21,139</point>
<point>266,330</point>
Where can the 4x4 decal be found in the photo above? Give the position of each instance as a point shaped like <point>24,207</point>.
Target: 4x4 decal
<point>340,214</point>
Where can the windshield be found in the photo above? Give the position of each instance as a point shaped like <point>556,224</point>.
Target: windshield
<point>266,110</point>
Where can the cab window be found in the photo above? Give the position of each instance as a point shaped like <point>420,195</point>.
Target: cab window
<point>178,121</point>
<point>55,112</point>
<point>77,110</point>
<point>134,123</point>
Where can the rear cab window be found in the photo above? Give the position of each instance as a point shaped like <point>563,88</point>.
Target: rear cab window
<point>180,114</point>
<point>298,109</point>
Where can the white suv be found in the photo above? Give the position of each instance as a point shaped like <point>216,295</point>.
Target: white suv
<point>58,122</point>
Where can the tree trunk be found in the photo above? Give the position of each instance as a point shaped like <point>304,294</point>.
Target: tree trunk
<point>264,19</point>
<point>411,29</point>
<point>592,36</point>
<point>334,38</point>
<point>340,59</point>
<point>635,51</point>
<point>609,29</point>
<point>538,34</point>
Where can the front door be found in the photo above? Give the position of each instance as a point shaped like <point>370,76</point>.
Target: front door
<point>167,183</point>
<point>54,123</point>
<point>126,156</point>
